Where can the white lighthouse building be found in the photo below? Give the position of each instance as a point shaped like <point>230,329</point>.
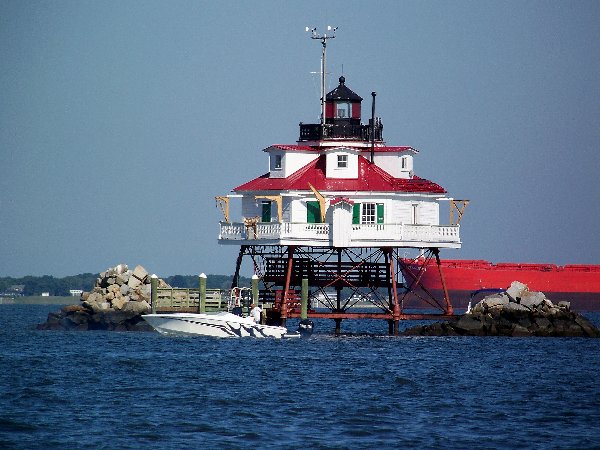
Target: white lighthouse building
<point>339,207</point>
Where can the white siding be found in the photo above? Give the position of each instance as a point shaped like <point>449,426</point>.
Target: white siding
<point>391,162</point>
<point>331,163</point>
<point>298,211</point>
<point>249,208</point>
<point>427,211</point>
<point>291,161</point>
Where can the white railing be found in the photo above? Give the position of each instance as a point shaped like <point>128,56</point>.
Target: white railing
<point>405,233</point>
<point>306,230</point>
<point>391,232</point>
<point>274,230</point>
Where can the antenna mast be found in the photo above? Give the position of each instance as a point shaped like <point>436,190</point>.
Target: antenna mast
<point>323,38</point>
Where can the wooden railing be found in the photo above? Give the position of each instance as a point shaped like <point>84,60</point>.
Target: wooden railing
<point>188,300</point>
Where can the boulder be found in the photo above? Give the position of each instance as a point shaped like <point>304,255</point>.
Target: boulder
<point>533,300</point>
<point>123,278</point>
<point>495,300</point>
<point>137,307</point>
<point>140,273</point>
<point>469,323</point>
<point>516,291</point>
<point>133,282</point>
<point>118,303</point>
<point>565,305</point>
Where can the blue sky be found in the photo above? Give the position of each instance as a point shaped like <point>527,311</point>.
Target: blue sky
<point>121,120</point>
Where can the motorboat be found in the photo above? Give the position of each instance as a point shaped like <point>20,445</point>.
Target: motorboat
<point>220,324</point>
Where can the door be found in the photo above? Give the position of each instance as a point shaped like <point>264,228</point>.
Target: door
<point>266,212</point>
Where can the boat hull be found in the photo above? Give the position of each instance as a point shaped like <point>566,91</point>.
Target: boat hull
<point>222,325</point>
<point>578,284</point>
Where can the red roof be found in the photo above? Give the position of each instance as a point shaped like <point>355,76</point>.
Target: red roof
<point>370,178</point>
<point>337,200</point>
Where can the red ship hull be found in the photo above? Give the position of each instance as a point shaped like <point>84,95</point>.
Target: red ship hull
<point>578,284</point>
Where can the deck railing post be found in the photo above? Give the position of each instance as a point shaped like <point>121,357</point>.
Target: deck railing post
<point>154,292</point>
<point>202,293</point>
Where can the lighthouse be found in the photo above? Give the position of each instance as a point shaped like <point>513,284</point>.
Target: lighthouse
<point>339,208</point>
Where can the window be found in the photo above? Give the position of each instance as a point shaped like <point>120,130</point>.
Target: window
<point>277,162</point>
<point>368,213</point>
<point>342,161</point>
<point>404,162</point>
<point>414,217</point>
<point>342,110</point>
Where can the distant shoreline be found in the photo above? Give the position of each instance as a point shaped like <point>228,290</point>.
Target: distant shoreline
<point>40,300</point>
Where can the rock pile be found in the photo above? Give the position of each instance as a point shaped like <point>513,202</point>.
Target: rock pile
<point>117,301</point>
<point>516,312</point>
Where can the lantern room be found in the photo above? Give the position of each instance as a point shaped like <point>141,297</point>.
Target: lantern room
<point>342,121</point>
<point>342,105</point>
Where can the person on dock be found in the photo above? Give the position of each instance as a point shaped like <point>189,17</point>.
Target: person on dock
<point>255,312</point>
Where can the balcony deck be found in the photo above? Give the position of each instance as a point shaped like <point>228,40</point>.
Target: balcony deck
<point>320,235</point>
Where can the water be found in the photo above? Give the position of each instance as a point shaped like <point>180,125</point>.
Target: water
<point>131,390</point>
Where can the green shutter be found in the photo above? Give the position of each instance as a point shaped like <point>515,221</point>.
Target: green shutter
<point>313,212</point>
<point>356,213</point>
<point>379,212</point>
<point>266,212</point>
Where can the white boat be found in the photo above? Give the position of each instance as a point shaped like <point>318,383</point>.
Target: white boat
<point>221,324</point>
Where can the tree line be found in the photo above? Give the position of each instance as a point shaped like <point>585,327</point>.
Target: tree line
<point>34,285</point>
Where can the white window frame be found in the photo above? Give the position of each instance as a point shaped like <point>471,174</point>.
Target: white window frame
<point>342,161</point>
<point>277,162</point>
<point>343,110</point>
<point>368,213</point>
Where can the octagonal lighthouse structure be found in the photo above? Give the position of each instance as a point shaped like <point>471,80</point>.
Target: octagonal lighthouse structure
<point>339,209</point>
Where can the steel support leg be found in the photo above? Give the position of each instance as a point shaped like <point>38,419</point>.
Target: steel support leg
<point>238,263</point>
<point>286,289</point>
<point>338,326</point>
<point>449,309</point>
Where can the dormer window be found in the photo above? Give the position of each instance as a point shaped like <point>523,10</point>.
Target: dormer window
<point>404,162</point>
<point>342,161</point>
<point>276,161</point>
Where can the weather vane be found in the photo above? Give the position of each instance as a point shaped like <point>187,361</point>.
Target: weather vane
<point>323,38</point>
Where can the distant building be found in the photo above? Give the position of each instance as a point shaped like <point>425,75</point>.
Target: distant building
<point>45,294</point>
<point>76,292</point>
<point>16,290</point>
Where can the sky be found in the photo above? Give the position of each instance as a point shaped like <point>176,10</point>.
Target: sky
<point>120,121</point>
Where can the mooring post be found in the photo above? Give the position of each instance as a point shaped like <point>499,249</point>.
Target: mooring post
<point>304,300</point>
<point>255,294</point>
<point>202,292</point>
<point>154,292</point>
